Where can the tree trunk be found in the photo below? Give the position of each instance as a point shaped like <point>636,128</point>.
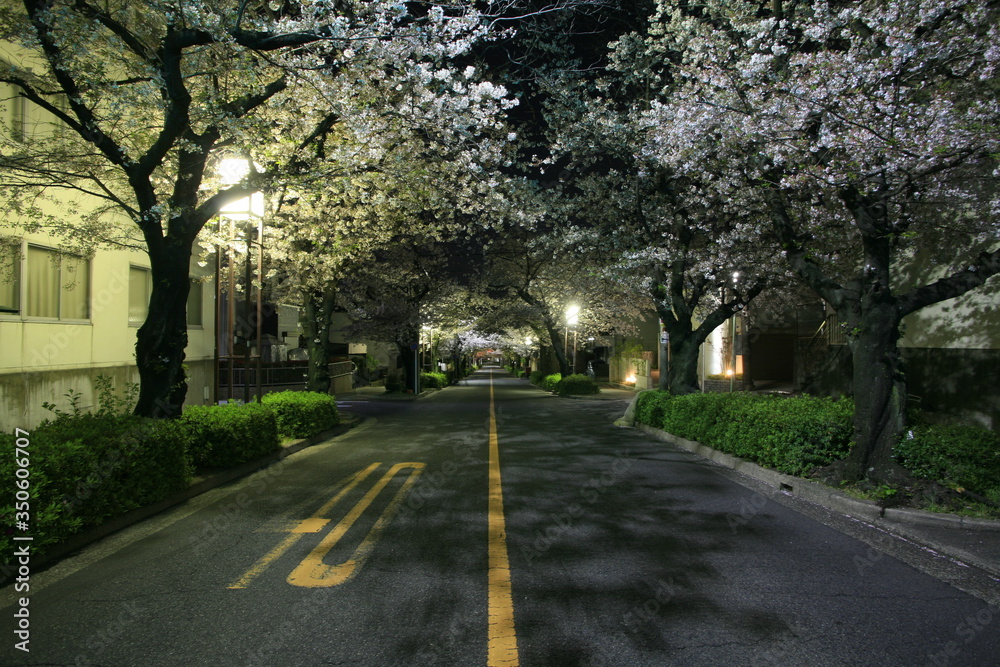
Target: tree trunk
<point>681,376</point>
<point>160,341</point>
<point>879,394</point>
<point>315,319</point>
<point>408,357</point>
<point>558,348</point>
<point>682,371</point>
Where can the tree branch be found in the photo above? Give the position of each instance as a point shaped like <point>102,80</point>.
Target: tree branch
<point>985,267</point>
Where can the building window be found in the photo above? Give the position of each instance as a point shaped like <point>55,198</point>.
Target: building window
<point>10,278</point>
<point>140,286</point>
<point>194,304</point>
<point>58,285</point>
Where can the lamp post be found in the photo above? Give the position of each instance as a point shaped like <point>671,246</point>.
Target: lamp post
<point>572,317</point>
<point>732,377</point>
<point>248,209</point>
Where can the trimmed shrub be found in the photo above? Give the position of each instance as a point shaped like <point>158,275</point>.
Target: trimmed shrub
<point>87,468</point>
<point>301,414</point>
<point>791,435</point>
<point>537,378</point>
<point>550,382</point>
<point>227,435</point>
<point>433,380</point>
<point>577,384</point>
<point>965,457</point>
<point>650,407</point>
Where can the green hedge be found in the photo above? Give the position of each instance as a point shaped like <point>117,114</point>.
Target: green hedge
<point>965,457</point>
<point>87,468</point>
<point>792,435</point>
<point>433,380</point>
<point>227,435</point>
<point>301,414</point>
<point>577,384</point>
<point>537,377</point>
<point>550,382</point>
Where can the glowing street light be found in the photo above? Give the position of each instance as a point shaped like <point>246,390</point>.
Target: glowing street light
<point>572,318</point>
<point>572,315</point>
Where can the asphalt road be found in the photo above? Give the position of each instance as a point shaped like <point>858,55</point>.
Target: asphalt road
<point>379,548</point>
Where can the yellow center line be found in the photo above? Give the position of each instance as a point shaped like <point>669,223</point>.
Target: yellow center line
<point>313,524</point>
<point>501,645</point>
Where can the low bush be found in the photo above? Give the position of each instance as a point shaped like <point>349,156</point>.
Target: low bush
<point>87,468</point>
<point>792,435</point>
<point>577,384</point>
<point>537,377</point>
<point>550,382</point>
<point>227,435</point>
<point>301,414</point>
<point>433,380</point>
<point>961,457</point>
<point>650,406</point>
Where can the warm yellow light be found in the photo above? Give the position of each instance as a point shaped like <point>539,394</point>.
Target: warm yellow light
<point>729,371</point>
<point>232,170</point>
<point>572,315</point>
<point>630,379</point>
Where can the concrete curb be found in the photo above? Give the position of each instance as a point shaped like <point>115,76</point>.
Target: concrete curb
<point>198,486</point>
<point>824,495</point>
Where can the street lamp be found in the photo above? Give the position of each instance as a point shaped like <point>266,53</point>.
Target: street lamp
<point>232,171</point>
<point>732,369</point>
<point>572,318</point>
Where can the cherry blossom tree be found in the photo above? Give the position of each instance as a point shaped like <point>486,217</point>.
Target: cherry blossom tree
<point>152,95</point>
<point>869,131</point>
<point>687,252</point>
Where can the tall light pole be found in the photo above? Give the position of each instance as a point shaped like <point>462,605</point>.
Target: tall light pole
<point>572,317</point>
<point>732,377</point>
<point>248,210</point>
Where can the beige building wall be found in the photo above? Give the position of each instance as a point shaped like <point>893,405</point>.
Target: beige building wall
<point>41,359</point>
<point>45,356</point>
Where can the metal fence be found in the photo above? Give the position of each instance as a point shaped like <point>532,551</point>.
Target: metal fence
<point>289,375</point>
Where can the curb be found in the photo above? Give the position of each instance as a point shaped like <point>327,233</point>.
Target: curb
<point>825,495</point>
<point>198,486</point>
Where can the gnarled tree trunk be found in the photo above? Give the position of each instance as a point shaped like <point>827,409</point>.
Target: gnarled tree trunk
<point>160,341</point>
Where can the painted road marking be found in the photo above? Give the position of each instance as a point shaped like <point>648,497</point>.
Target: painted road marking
<point>501,645</point>
<point>312,572</point>
<point>313,524</point>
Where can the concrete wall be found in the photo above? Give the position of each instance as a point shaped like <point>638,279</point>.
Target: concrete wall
<point>24,393</point>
